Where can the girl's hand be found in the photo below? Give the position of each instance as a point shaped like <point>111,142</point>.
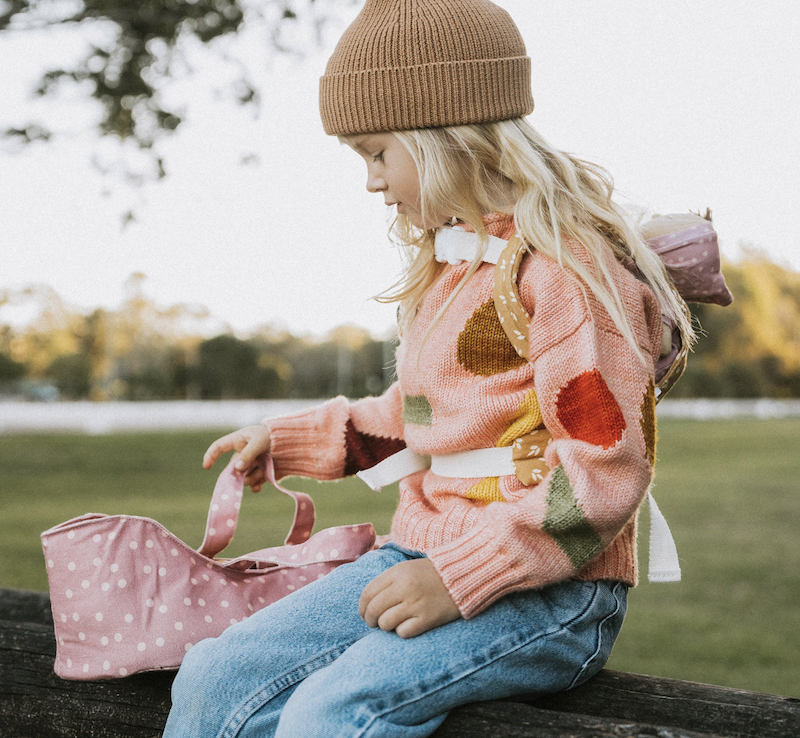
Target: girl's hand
<point>250,443</point>
<point>409,598</point>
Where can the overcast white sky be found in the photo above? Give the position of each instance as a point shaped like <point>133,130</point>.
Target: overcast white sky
<point>688,105</point>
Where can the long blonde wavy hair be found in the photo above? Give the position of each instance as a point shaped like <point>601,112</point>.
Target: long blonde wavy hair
<point>506,166</point>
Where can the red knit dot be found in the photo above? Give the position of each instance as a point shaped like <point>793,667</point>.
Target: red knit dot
<point>588,411</point>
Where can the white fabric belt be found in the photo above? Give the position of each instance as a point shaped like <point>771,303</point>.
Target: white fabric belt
<point>498,462</point>
<point>482,462</point>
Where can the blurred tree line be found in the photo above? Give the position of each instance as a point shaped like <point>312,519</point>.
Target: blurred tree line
<point>143,352</point>
<point>750,348</point>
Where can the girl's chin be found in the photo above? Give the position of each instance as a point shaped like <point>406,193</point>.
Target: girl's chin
<point>415,217</point>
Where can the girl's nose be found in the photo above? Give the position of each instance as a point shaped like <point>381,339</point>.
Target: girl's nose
<point>375,183</point>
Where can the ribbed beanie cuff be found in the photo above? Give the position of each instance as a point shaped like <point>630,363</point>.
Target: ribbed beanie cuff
<point>406,64</point>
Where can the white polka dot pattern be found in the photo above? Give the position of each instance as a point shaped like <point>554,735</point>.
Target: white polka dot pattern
<point>126,599</point>
<point>691,256</point>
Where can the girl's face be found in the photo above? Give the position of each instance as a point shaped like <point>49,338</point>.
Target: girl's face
<point>392,172</point>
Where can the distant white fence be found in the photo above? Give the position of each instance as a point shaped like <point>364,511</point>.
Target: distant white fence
<point>109,417</point>
<point>718,409</point>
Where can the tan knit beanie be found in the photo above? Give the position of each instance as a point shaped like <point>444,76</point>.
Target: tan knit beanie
<point>406,64</point>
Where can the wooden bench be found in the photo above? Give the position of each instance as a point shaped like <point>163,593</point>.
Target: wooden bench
<point>35,703</point>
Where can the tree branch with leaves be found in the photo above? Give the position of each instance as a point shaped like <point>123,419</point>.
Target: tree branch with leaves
<point>125,75</point>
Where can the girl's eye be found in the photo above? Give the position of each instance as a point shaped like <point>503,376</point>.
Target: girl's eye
<point>377,157</point>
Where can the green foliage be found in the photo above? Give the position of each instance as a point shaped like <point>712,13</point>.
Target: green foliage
<point>125,76</point>
<point>10,370</point>
<point>144,352</point>
<point>350,362</point>
<point>141,351</point>
<point>72,374</point>
<point>728,490</point>
<point>750,348</point>
<point>228,368</point>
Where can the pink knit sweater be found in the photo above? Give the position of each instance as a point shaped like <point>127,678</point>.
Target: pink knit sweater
<point>467,389</point>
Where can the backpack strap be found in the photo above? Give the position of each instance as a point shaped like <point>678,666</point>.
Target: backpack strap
<point>514,319</point>
<point>678,364</point>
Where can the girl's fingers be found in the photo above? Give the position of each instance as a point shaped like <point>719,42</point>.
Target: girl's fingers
<point>250,442</point>
<point>367,595</point>
<point>255,479</point>
<point>219,447</point>
<point>393,618</point>
<point>378,597</point>
<point>412,627</point>
<point>254,476</point>
<point>257,443</point>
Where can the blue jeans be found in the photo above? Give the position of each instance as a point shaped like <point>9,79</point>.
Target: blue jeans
<point>308,666</point>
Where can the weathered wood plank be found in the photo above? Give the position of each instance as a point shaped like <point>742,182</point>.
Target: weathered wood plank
<point>688,705</point>
<point>35,703</point>
<point>25,606</point>
<point>515,720</point>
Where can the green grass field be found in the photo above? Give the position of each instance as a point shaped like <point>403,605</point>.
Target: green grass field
<point>729,490</point>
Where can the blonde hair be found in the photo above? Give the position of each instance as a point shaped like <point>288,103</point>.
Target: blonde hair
<point>506,166</point>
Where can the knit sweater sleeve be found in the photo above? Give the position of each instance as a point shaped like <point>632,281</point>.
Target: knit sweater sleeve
<point>597,400</point>
<point>339,437</point>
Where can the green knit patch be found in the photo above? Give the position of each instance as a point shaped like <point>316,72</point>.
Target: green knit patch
<point>417,410</point>
<point>567,524</point>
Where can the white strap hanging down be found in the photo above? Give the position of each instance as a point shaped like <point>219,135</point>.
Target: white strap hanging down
<point>664,566</point>
<point>454,245</point>
<point>497,462</point>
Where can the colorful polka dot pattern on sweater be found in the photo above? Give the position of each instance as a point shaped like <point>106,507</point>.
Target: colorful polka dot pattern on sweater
<point>583,386</point>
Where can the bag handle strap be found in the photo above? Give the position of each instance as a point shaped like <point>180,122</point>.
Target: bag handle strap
<point>223,512</point>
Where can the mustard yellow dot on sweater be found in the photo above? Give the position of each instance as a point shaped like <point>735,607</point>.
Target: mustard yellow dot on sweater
<point>528,418</point>
<point>487,490</point>
<point>483,347</point>
<point>648,422</point>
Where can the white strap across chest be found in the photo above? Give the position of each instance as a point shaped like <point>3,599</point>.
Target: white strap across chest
<point>498,462</point>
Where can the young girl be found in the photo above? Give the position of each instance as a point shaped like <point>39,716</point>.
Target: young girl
<point>509,563</point>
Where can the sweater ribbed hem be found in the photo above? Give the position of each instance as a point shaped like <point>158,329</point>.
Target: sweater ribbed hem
<point>476,571</point>
<point>311,443</point>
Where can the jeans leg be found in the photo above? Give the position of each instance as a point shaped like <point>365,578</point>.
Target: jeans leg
<point>528,642</point>
<point>237,684</point>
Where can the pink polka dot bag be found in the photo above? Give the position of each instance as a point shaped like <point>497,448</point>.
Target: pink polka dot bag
<point>129,596</point>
